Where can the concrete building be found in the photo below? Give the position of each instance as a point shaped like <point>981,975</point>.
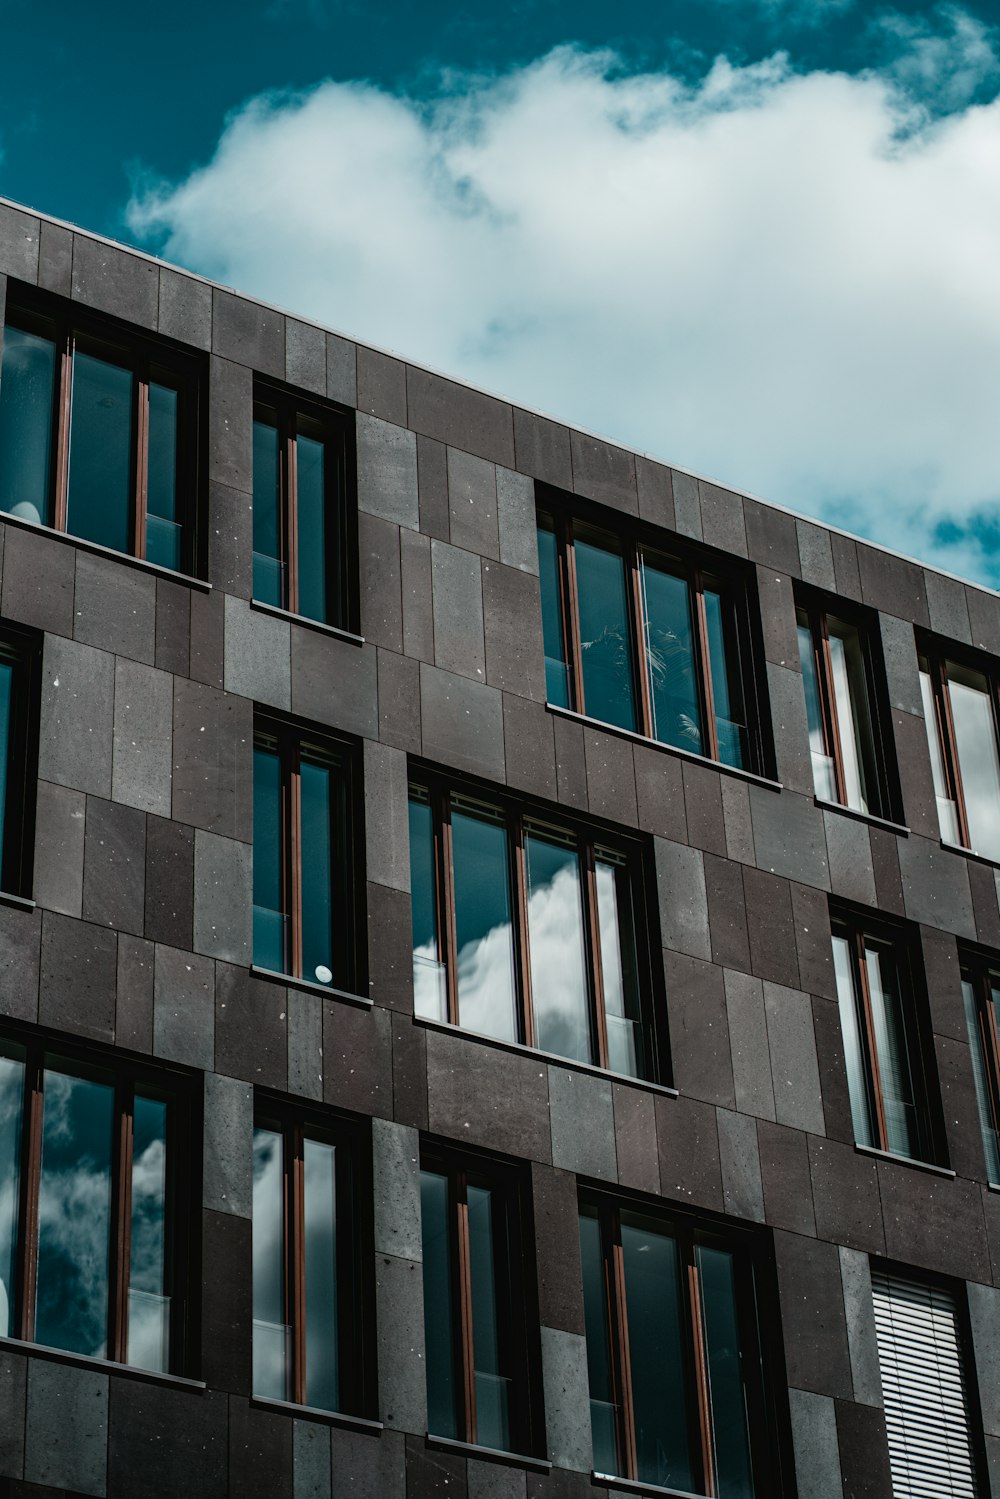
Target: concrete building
<point>499,943</point>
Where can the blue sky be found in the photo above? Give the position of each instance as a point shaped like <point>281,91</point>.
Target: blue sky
<point>759,238</point>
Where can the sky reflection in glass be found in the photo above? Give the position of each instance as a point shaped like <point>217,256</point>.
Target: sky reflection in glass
<point>270,1332</point>
<point>559,986</point>
<point>149,1301</point>
<point>27,380</point>
<point>484,934</point>
<point>11,1115</point>
<point>99,501</point>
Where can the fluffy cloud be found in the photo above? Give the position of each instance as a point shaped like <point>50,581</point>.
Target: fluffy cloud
<point>788,280</point>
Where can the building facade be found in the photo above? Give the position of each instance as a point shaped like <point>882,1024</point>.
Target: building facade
<point>499,942</point>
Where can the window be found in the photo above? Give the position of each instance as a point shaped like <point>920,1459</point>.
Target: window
<point>962,714</point>
<point>474,1303</point>
<point>303,889</point>
<point>93,1228</point>
<point>848,760</point>
<point>676,1393</point>
<point>648,641</point>
<point>301,480</point>
<point>308,1298</point>
<point>920,1351</point>
<point>882,1042</point>
<point>981,994</point>
<point>529,931</point>
<point>19,659</point>
<point>98,434</point>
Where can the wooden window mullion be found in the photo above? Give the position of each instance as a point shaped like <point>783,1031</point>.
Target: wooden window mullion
<point>294,863</point>
<point>291,510</point>
<point>633,566</point>
<point>297,1262</point>
<point>831,719</point>
<point>571,613</point>
<point>990,1036</point>
<point>621,1364</point>
<point>522,937</point>
<point>30,1183</point>
<point>592,924</point>
<point>64,395</point>
<point>703,1394</point>
<point>949,746</point>
<point>711,747</point>
<point>868,1026</point>
<point>446,910</point>
<point>121,1223</point>
<point>466,1330</point>
<point>140,445</point>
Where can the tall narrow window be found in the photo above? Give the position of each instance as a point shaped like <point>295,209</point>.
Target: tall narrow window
<point>528,931</point>
<point>844,738</point>
<point>981,996</point>
<point>882,1042</point>
<point>650,642</point>
<point>301,518</point>
<point>962,714</point>
<point>19,658</point>
<point>676,1395</point>
<point>924,1388</point>
<point>473,1307</point>
<point>303,903</point>
<point>307,1324</point>
<point>93,1231</point>
<point>98,434</point>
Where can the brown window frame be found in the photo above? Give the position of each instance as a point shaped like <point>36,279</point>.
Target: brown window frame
<point>741,628</point>
<point>22,650</point>
<point>978,970</point>
<point>145,355</point>
<point>183,1181</point>
<point>439,790</point>
<point>937,655</point>
<point>355,1292</point>
<point>754,1298</point>
<point>512,1239</point>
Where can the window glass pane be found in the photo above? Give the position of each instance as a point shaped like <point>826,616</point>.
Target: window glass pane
<point>271,1334</point>
<point>439,1336</point>
<point>6,696</point>
<point>268,568</point>
<point>947,812</point>
<point>653,1296</point>
<point>556,670</point>
<point>853,719</point>
<point>163,531</point>
<point>605,641</point>
<point>486,996</point>
<point>824,778</point>
<point>149,1291</point>
<point>559,983</point>
<point>319,797</point>
<point>429,988</point>
<point>976,738</point>
<point>618,968</point>
<point>322,1343</point>
<point>27,380</point>
<point>11,1115</point>
<point>312,529</point>
<point>492,1384</point>
<point>74,1215</point>
<point>730,718</point>
<point>857,1071</point>
<point>991,1144</point>
<point>673,681</point>
<point>603,1408</point>
<point>100,496</point>
<point>891,1046</point>
<point>269,924</point>
<point>723,1356</point>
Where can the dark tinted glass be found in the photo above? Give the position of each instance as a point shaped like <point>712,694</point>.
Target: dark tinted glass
<point>892,1045</point>
<point>605,639</point>
<point>556,670</point>
<point>74,1214</point>
<point>11,1114</point>
<point>619,967</point>
<point>268,568</point>
<point>149,1290</point>
<point>322,1344</point>
<point>429,991</point>
<point>980,1069</point>
<point>483,925</point>
<point>271,1334</point>
<point>100,497</point>
<point>824,776</point>
<point>673,682</point>
<point>492,1380</point>
<point>312,528</point>
<point>163,530</point>
<point>653,1298</point>
<point>439,1334</point>
<point>730,719</point>
<point>723,1356</point>
<point>269,935</point>
<point>27,378</point>
<point>6,704</point>
<point>978,756</point>
<point>849,1001</point>
<point>559,984</point>
<point>603,1408</point>
<point>319,814</point>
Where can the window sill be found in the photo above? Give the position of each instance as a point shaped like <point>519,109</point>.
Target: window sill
<point>327,990</point>
<point>82,1361</point>
<point>632,1486</point>
<point>489,1454</point>
<point>876,822</point>
<point>8,898</point>
<point>668,749</point>
<point>518,1048</point>
<point>310,624</point>
<point>101,551</point>
<point>993,1186</point>
<point>313,1413</point>
<point>905,1160</point>
<point>970,853</point>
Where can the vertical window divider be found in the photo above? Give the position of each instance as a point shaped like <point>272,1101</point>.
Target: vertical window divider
<point>522,935</point>
<point>831,719</point>
<point>291,463</point>
<point>466,1330</point>
<point>633,562</point>
<point>571,615</point>
<point>295,848</point>
<point>703,1396</point>
<point>30,1180</point>
<point>61,428</point>
<point>140,444</point>
<point>297,1217</point>
<point>446,913</point>
<point>592,922</point>
<point>876,1103</point>
<point>704,665</point>
<point>121,1246</point>
<point>990,1039</point>
<point>621,1364</point>
<point>946,734</point>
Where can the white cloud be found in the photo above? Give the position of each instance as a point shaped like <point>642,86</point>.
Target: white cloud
<point>787,280</point>
<point>944,59</point>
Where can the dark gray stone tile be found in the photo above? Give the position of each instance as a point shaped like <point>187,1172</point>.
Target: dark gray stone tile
<point>458,611</point>
<point>169,882</point>
<point>939,953</point>
<point>784,1169</point>
<point>947,606</point>
<point>387,469</point>
<point>398,680</point>
<point>59,829</point>
<point>542,448</point>
<point>655,492</point>
<point>78,977</point>
<point>885,868</point>
<point>115,608</point>
<point>473,521</point>
<point>38,581</point>
<point>311,1470</point>
<point>738,820</point>
<point>489,1480</point>
<point>893,584</point>
<point>984,618</point>
<point>567,1413</point>
<point>703,804</point>
<point>227,1315</point>
<point>751,1062</point>
<point>20,947</point>
<point>334,682</point>
<point>777,613</point>
<point>396,1171</point>
<point>610,777</point>
<point>846,1196</point>
<point>727,920</point>
<point>742,1187</point>
<point>185,309</point>
<point>722,518</point>
<point>864,1451</point>
<point>933,1222</point>
<point>849,850</point>
<point>305,356</point>
<point>166,1442</point>
<point>571,763</point>
<point>462,723</point>
<point>529,747</point>
<point>55,259</point>
<point>381,591</point>
<point>461,417</point>
<point>257,655</point>
<point>845,566</point>
<point>513,625</point>
<point>13,1396</point>
<point>357,1058</point>
<point>376,1462</point>
<point>409,1072</point>
<point>659,789</point>
<point>66,1441</point>
<point>516,521</point>
<point>936,886</point>
<point>913,759</point>
<point>635,1138</point>
<point>227,1148</point>
<point>230,540</point>
<point>899,655</point>
<point>814,1441</point>
<point>399,1301</point>
<point>305,1044</point>
<point>208,638</point>
<point>771,927</point>
<point>855,1276</point>
<point>603,472</point>
<point>142,739</point>
<point>134,1008</point>
<point>248,333</point>
<point>417,594</point>
<point>680,880</point>
<point>687,1138</point>
<point>687,504</point>
<point>260,1451</point>
<point>114,866</point>
<point>791,734</point>
<point>341,370</point>
<point>699,1029</point>
<point>223,897</point>
<point>815,556</point>
<point>794,1067</point>
<point>390,948</point>
<point>556,1213</point>
<point>811,918</point>
<point>19,235</point>
<point>381,386</point>
<point>984,1317</point>
<point>387,837</point>
<point>469,1088</point>
<point>183,1007</point>
<point>114,281</point>
<point>985,902</point>
<point>432,483</point>
<point>771,537</point>
<point>832,1070</point>
<point>812,1307</point>
<point>953,1064</point>
<point>230,424</point>
<point>213,759</point>
<point>582,1123</point>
